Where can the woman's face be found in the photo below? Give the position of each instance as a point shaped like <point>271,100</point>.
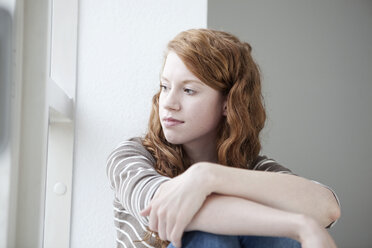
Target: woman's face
<point>189,110</point>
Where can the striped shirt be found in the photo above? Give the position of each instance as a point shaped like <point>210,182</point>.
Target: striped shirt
<point>134,180</point>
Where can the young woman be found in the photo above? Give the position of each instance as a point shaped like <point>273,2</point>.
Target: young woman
<point>197,179</point>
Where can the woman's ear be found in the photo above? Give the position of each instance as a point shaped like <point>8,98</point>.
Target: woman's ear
<point>224,110</point>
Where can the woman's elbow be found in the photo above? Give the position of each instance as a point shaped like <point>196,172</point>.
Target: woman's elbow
<point>335,212</point>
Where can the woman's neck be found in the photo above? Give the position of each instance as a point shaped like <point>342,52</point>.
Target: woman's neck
<point>201,152</point>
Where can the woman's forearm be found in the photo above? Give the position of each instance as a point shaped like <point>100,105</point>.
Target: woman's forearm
<point>231,215</point>
<point>280,191</point>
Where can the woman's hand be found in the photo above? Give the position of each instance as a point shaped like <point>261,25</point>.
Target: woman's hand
<point>312,234</point>
<point>176,202</point>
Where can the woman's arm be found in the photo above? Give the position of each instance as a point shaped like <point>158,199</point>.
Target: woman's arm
<point>231,215</point>
<point>186,202</point>
<point>132,177</point>
<point>282,191</point>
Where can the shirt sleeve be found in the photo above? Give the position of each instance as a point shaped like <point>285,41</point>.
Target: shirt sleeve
<point>132,177</point>
<point>263,163</point>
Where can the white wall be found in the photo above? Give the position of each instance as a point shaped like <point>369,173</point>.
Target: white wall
<point>316,58</point>
<point>120,51</point>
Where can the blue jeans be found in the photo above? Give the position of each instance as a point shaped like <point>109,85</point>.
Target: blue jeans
<point>198,239</point>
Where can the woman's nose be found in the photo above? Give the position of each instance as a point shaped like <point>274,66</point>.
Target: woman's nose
<point>171,101</point>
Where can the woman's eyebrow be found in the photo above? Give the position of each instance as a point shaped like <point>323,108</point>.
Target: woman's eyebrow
<point>162,78</point>
<point>184,81</point>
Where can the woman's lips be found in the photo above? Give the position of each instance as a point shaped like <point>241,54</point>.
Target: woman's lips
<point>171,122</point>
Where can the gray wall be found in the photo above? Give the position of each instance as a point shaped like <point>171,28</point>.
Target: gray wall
<point>316,60</point>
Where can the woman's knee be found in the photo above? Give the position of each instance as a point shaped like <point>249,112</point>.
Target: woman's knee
<point>272,242</point>
<point>197,239</point>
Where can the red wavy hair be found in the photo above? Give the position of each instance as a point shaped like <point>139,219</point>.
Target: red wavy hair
<point>224,63</point>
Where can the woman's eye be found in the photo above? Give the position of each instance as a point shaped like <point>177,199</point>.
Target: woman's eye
<point>163,87</point>
<point>189,91</point>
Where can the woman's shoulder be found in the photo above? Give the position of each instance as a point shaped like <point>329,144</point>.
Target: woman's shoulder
<point>133,147</point>
<point>263,163</point>
<point>131,143</point>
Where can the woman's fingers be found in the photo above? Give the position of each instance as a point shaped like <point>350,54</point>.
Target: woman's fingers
<point>169,228</point>
<point>171,222</point>
<point>162,227</point>
<point>178,195</point>
<point>153,220</point>
<point>146,211</point>
<point>176,236</point>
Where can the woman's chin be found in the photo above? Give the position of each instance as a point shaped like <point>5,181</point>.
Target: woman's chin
<point>173,140</point>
